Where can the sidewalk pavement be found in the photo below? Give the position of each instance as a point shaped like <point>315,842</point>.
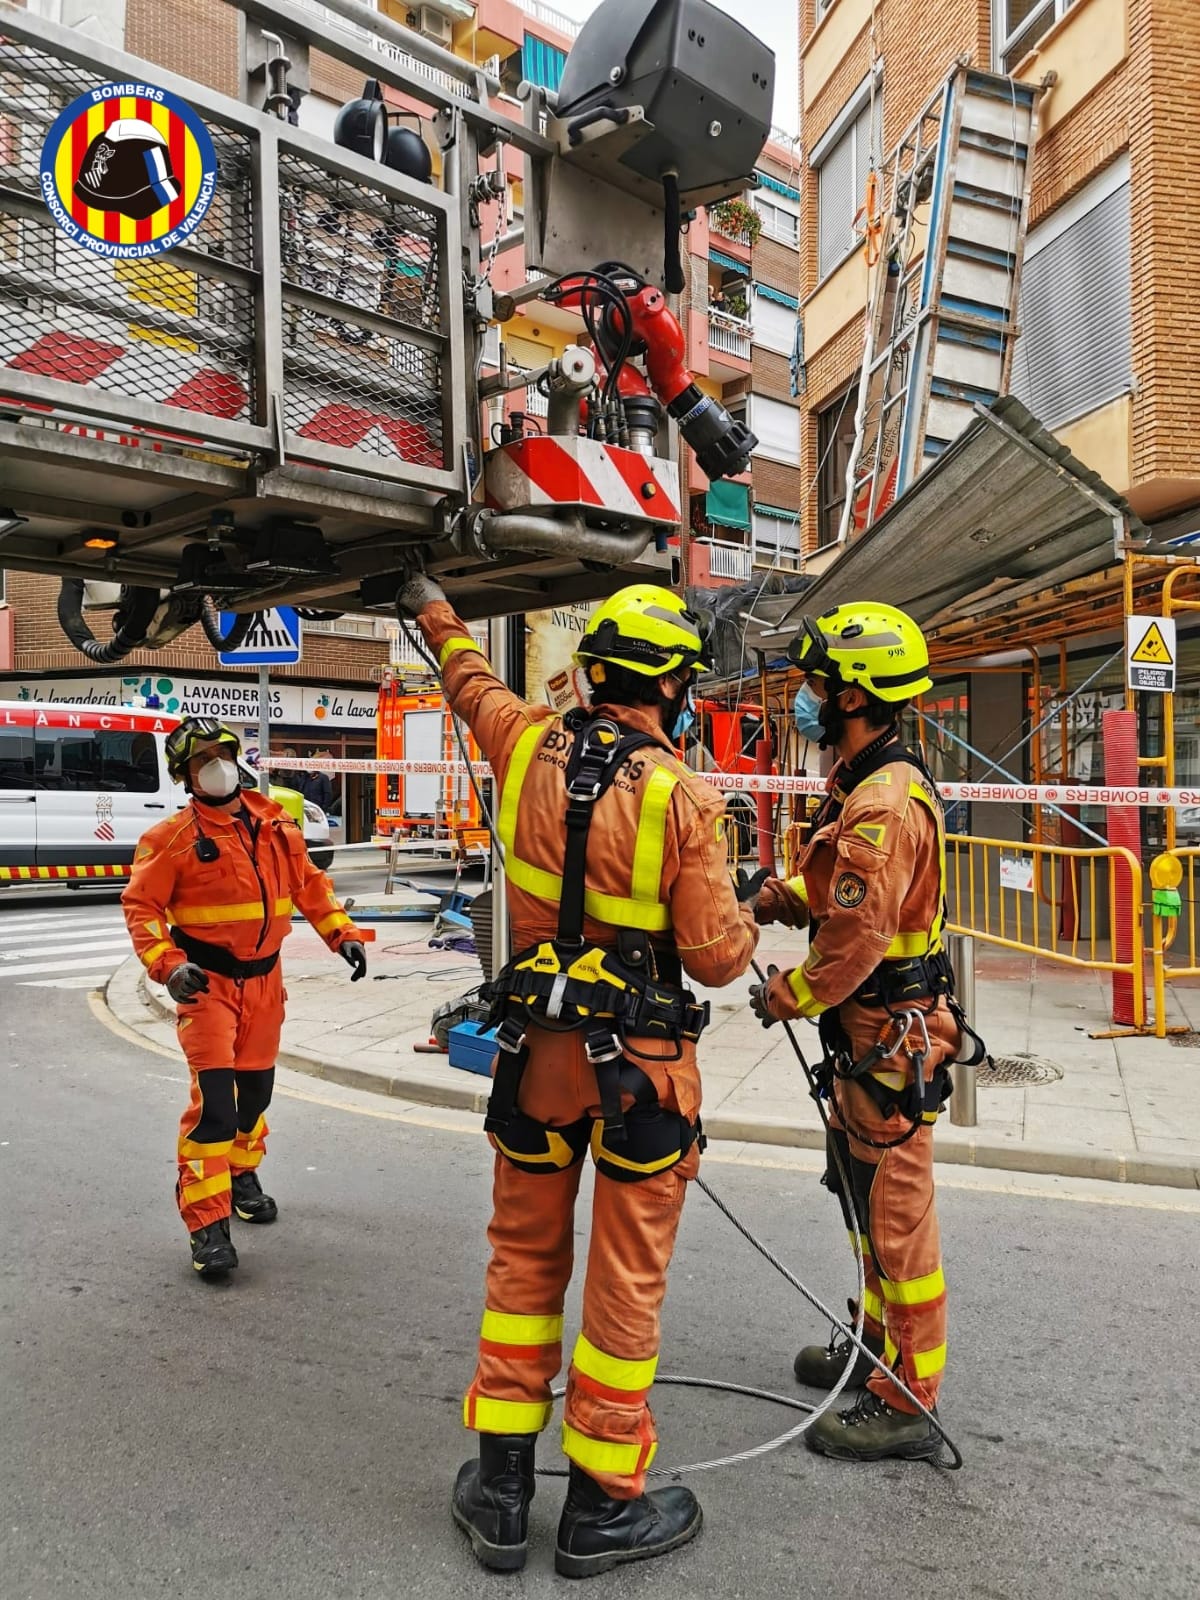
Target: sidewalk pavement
<point>1123,1109</point>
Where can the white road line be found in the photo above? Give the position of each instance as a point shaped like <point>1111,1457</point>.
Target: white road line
<point>99,941</point>
<point>93,980</point>
<point>20,927</point>
<point>82,964</point>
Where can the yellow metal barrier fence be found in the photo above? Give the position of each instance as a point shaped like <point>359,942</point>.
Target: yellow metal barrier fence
<point>992,893</point>
<point>1164,931</point>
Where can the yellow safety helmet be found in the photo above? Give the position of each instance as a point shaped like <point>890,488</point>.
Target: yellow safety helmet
<point>192,734</point>
<point>878,647</point>
<point>647,629</point>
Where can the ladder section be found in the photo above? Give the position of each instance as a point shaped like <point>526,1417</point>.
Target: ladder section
<point>943,297</point>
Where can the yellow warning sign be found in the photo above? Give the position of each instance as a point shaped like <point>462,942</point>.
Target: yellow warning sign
<point>1153,648</point>
<point>1150,654</point>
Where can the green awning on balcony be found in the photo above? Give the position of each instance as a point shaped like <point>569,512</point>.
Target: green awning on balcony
<point>728,504</point>
<point>728,263</point>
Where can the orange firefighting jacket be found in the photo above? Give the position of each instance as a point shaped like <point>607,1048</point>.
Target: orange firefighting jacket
<point>656,851</point>
<point>874,881</point>
<point>242,901</point>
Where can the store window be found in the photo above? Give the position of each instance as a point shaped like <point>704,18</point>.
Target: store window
<point>1017,25</point>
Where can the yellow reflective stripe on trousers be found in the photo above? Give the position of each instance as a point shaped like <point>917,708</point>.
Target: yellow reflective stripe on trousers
<point>241,911</point>
<point>505,1416</point>
<point>190,1193</point>
<point>924,1363</point>
<point>873,1307</point>
<point>914,1291</point>
<point>643,909</point>
<point>156,950</point>
<point>453,646</point>
<point>510,1327</point>
<point>602,1455</point>
<point>864,1242</point>
<point>614,1372</point>
<point>190,1150</point>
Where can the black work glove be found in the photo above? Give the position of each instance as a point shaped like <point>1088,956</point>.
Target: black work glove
<point>747,887</point>
<point>356,955</point>
<point>186,982</point>
<point>415,593</point>
<point>759,998</point>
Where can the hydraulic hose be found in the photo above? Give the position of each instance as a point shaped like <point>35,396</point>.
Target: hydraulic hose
<point>131,622</point>
<point>210,621</point>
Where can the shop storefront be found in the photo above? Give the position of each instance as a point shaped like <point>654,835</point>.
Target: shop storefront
<point>308,721</point>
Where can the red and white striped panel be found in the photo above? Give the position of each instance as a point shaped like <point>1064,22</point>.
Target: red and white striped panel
<point>571,471</point>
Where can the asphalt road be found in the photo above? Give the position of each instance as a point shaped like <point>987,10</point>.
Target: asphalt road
<point>295,1433</point>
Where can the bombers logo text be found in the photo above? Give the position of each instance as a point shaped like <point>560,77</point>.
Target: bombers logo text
<point>128,171</point>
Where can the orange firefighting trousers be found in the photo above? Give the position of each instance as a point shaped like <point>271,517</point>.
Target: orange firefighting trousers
<point>905,1295</point>
<point>608,1427</point>
<point>230,1037</point>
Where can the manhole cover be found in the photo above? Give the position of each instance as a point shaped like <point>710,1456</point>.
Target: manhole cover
<point>1185,1041</point>
<point>1019,1072</point>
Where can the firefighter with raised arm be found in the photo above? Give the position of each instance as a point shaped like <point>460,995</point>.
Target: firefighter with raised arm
<point>617,883</point>
<point>208,905</point>
<point>876,980</point>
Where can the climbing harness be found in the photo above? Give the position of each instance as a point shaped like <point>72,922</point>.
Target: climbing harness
<point>566,984</point>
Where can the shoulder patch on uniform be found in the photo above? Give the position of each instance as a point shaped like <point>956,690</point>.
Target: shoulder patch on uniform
<point>719,828</point>
<point>872,832</point>
<point>850,890</point>
<point>143,852</point>
<point>883,776</point>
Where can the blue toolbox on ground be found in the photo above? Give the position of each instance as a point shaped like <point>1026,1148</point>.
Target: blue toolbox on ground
<point>473,1047</point>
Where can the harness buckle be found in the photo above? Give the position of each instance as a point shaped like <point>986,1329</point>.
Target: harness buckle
<point>904,1023</point>
<point>602,1046</point>
<point>510,1036</point>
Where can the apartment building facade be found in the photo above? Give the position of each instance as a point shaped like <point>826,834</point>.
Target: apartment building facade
<point>1108,339</point>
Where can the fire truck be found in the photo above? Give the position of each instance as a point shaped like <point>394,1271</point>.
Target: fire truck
<point>287,407</point>
<point>435,810</point>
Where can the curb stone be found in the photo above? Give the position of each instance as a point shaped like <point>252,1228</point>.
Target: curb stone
<point>135,1002</point>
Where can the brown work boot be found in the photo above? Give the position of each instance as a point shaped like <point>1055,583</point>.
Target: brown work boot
<point>871,1430</point>
<point>821,1365</point>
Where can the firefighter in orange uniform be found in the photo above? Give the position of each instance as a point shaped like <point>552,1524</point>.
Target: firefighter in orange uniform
<point>871,886</point>
<point>208,905</point>
<point>597,1051</point>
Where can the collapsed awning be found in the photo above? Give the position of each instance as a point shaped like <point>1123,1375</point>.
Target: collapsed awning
<point>1004,512</point>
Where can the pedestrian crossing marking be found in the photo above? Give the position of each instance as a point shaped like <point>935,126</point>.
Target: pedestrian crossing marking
<point>1153,649</point>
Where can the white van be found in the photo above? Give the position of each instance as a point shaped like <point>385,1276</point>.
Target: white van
<point>79,785</point>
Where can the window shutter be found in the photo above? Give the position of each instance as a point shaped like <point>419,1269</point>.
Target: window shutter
<point>774,325</point>
<point>835,184</point>
<point>1075,351</point>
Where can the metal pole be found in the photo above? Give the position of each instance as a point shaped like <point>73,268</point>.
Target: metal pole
<point>264,727</point>
<point>498,654</point>
<point>961,949</point>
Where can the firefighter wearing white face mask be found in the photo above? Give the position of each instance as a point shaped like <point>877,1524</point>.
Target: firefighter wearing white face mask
<point>208,905</point>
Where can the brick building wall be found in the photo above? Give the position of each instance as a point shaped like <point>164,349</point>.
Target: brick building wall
<point>42,647</point>
<point>777,484</point>
<point>1145,106</point>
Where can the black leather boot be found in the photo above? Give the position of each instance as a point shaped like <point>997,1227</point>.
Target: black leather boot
<point>212,1253</point>
<point>249,1201</point>
<point>491,1499</point>
<point>596,1532</point>
<point>821,1365</point>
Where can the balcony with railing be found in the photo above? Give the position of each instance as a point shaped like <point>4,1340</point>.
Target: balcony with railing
<point>550,17</point>
<point>720,561</point>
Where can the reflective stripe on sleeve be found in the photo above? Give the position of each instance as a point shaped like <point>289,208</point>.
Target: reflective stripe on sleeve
<point>453,646</point>
<point>338,919</point>
<point>156,950</point>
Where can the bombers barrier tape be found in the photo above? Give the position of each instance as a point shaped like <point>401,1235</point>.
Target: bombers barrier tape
<point>774,783</point>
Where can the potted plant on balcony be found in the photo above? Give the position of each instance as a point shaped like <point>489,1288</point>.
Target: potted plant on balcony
<point>735,303</point>
<point>737,219</point>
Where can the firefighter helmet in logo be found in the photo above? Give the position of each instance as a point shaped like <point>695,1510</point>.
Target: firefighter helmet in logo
<point>128,171</point>
<point>127,168</point>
